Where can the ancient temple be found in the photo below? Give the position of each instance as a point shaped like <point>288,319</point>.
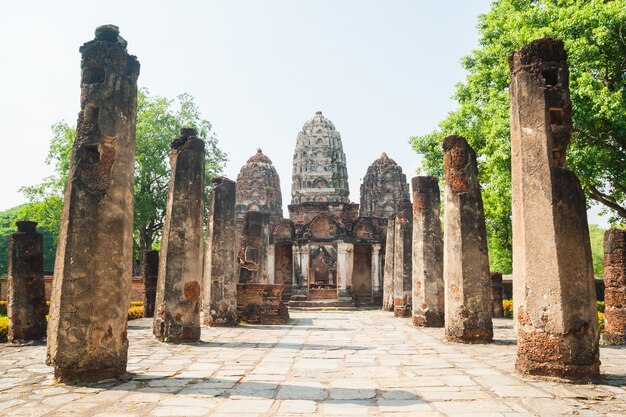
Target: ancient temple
<point>326,251</point>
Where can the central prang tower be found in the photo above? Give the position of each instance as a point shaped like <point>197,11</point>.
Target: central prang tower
<point>319,164</point>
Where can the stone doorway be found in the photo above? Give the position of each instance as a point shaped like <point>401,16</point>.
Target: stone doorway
<point>362,274</point>
<point>323,272</point>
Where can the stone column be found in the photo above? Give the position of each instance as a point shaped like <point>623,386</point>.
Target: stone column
<point>428,287</point>
<point>389,265</point>
<point>271,263</point>
<point>220,281</point>
<point>497,309</point>
<point>376,276</point>
<point>345,266</point>
<point>614,287</point>
<point>553,288</point>
<point>87,327</point>
<point>403,269</point>
<point>465,259</point>
<point>178,301</point>
<point>150,270</point>
<point>253,252</point>
<point>296,273</point>
<point>26,301</point>
<point>300,289</point>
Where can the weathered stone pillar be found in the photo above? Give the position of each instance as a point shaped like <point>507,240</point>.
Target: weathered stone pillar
<point>220,281</point>
<point>150,270</point>
<point>389,265</point>
<point>255,242</point>
<point>614,286</point>
<point>403,269</point>
<point>465,259</point>
<point>301,259</point>
<point>553,288</point>
<point>345,265</point>
<point>87,328</point>
<point>497,309</point>
<point>428,287</point>
<point>26,301</point>
<point>376,275</point>
<point>271,263</point>
<point>178,300</point>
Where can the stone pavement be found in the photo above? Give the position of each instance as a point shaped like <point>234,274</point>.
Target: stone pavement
<point>322,364</point>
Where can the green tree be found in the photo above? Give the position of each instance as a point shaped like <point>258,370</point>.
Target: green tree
<point>158,122</point>
<point>594,34</point>
<point>596,236</point>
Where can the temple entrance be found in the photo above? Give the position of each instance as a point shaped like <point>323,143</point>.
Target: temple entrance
<point>362,274</point>
<point>323,272</point>
<point>283,273</point>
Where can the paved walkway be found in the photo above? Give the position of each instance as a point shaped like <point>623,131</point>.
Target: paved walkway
<point>322,364</point>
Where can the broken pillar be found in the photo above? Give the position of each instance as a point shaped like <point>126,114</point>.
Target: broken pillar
<point>26,300</point>
<point>220,282</point>
<point>87,328</point>
<point>150,270</point>
<point>465,259</point>
<point>402,261</point>
<point>178,300</point>
<point>614,287</point>
<point>389,268</point>
<point>553,288</point>
<point>497,310</point>
<point>428,287</point>
<point>254,248</point>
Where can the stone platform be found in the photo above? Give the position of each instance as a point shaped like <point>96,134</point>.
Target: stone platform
<point>320,364</point>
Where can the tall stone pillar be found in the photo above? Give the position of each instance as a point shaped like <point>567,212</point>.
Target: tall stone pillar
<point>428,287</point>
<point>220,281</point>
<point>254,245</point>
<point>614,287</point>
<point>345,265</point>
<point>301,259</point>
<point>87,328</point>
<point>497,310</point>
<point>553,288</point>
<point>150,270</point>
<point>271,263</point>
<point>465,259</point>
<point>376,275</point>
<point>389,265</point>
<point>403,269</point>
<point>26,301</point>
<point>178,300</point>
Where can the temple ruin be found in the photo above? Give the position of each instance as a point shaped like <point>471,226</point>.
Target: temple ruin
<point>465,259</point>
<point>87,328</point>
<point>615,287</point>
<point>26,303</point>
<point>383,186</point>
<point>553,288</point>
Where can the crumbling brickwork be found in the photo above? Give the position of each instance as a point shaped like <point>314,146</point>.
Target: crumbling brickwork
<point>26,302</point>
<point>261,304</point>
<point>466,262</point>
<point>615,286</point>
<point>253,251</point>
<point>553,289</point>
<point>428,286</point>
<point>178,300</point>
<point>384,185</point>
<point>87,329</point>
<point>150,270</point>
<point>220,281</point>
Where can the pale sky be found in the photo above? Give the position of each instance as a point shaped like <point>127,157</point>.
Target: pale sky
<point>381,71</point>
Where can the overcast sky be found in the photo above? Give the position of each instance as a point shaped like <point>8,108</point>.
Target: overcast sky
<point>381,71</point>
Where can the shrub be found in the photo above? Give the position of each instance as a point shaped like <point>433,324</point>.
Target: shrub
<point>136,303</point>
<point>4,329</point>
<point>3,308</point>
<point>135,312</point>
<point>600,306</point>
<point>507,307</point>
<point>601,321</point>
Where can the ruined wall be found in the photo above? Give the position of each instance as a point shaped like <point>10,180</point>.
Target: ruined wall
<point>362,273</point>
<point>554,299</point>
<point>253,251</point>
<point>615,286</point>
<point>27,294</point>
<point>465,262</point>
<point>261,304</point>
<point>384,185</point>
<point>178,300</point>
<point>428,285</point>
<point>87,329</point>
<point>284,268</point>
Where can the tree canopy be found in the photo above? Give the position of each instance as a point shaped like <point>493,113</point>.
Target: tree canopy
<point>594,35</point>
<point>158,122</point>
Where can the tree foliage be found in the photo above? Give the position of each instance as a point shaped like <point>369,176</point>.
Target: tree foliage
<point>594,34</point>
<point>158,122</point>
